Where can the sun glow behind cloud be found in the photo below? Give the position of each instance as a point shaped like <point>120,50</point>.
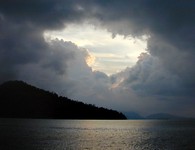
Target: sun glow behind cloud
<point>90,59</point>
<point>107,54</point>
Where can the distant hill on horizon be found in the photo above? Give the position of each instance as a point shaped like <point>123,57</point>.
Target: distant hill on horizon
<point>21,100</point>
<point>157,116</point>
<point>163,116</point>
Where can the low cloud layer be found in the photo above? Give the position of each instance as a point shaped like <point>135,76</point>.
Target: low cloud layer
<point>161,81</point>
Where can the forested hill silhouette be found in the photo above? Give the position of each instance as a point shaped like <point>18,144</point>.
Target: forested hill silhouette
<point>21,100</point>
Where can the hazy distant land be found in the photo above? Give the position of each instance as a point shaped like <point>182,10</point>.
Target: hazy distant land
<point>156,116</point>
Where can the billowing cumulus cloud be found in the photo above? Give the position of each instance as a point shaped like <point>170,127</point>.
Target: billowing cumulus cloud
<point>161,80</point>
<point>167,72</point>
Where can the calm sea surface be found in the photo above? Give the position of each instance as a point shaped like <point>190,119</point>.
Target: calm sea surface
<point>38,134</point>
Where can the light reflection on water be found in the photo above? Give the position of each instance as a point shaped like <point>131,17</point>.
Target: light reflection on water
<point>96,134</point>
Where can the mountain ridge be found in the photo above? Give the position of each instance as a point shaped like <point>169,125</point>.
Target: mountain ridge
<point>21,100</point>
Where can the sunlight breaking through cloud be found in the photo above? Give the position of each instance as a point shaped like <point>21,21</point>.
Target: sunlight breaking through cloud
<point>107,53</point>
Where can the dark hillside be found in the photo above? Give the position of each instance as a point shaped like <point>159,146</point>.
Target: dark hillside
<point>21,100</point>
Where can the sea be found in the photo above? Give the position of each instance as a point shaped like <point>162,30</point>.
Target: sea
<point>50,134</point>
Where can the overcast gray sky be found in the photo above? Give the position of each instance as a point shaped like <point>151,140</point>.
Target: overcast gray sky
<point>154,73</point>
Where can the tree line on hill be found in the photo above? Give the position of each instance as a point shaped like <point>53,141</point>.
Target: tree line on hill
<point>21,100</point>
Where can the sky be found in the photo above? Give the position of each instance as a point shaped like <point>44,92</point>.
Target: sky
<point>128,55</point>
<point>108,54</point>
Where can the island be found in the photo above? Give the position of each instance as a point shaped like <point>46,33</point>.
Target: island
<point>21,100</point>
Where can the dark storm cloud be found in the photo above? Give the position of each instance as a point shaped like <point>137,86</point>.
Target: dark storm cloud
<point>19,44</point>
<point>171,26</point>
<point>41,13</point>
<point>167,72</point>
<point>22,24</point>
<point>153,16</point>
